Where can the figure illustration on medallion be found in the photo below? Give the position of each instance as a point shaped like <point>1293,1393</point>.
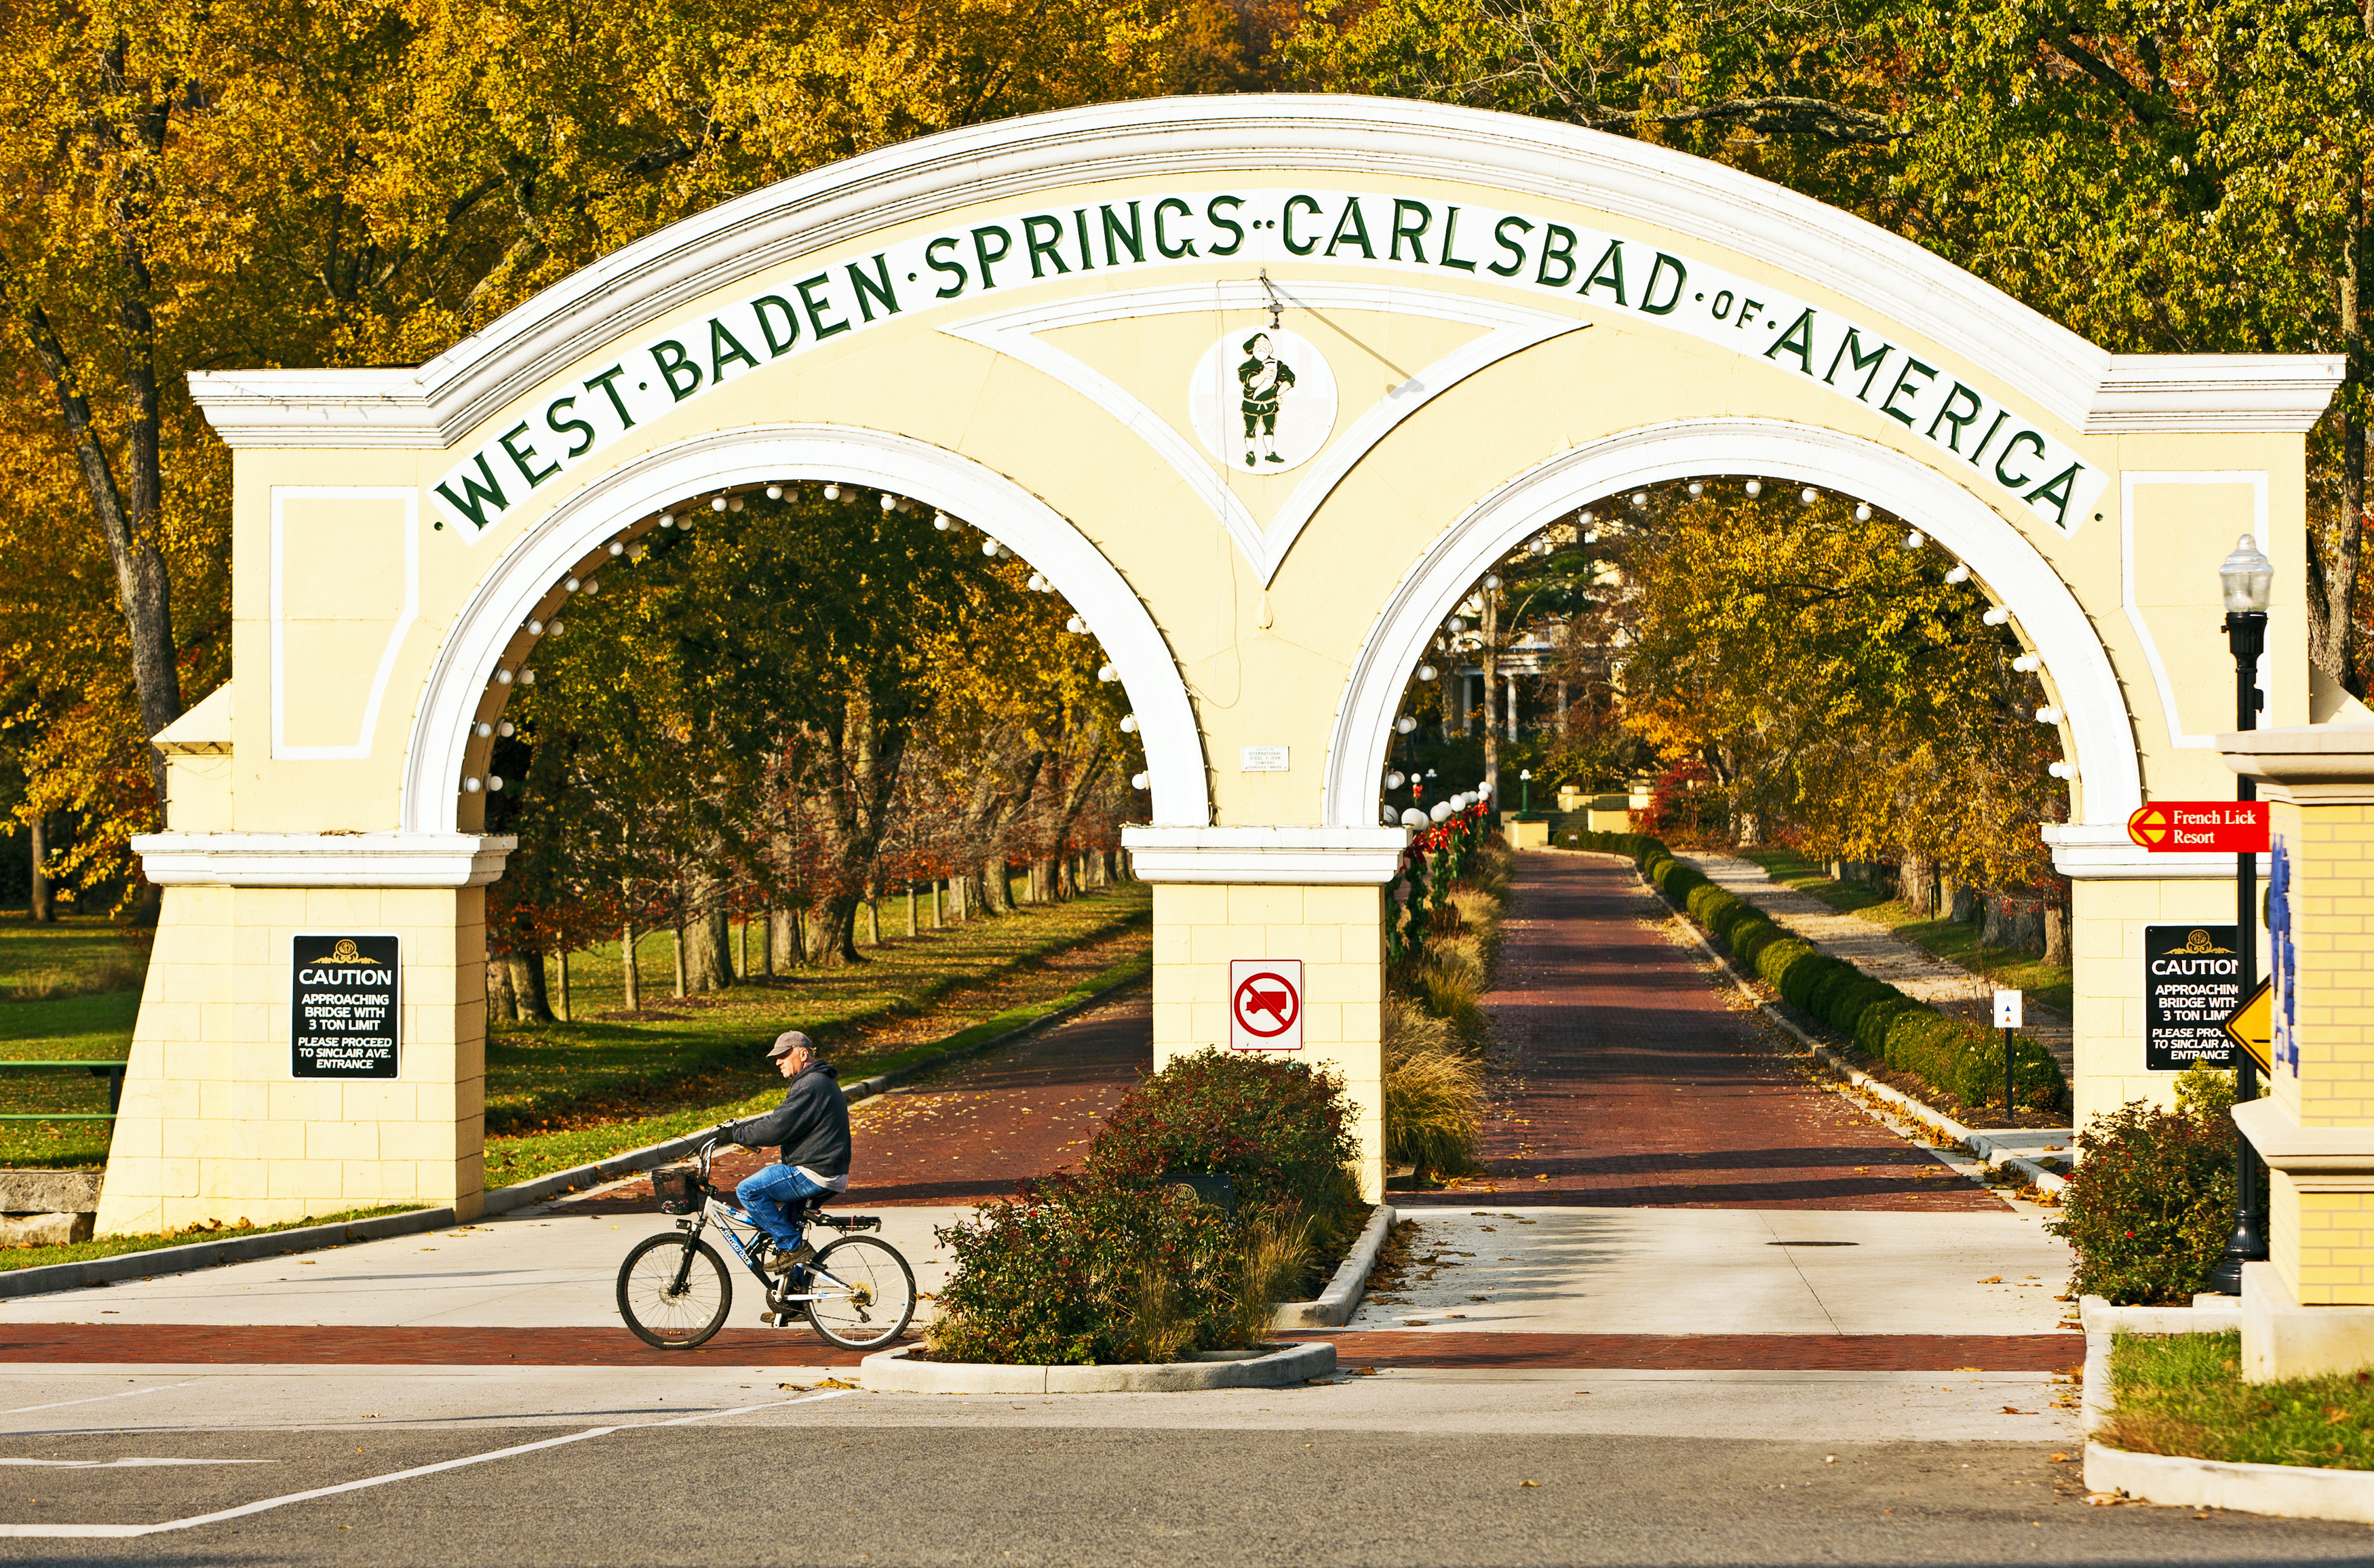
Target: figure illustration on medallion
<point>1262,377</point>
<point>1262,400</point>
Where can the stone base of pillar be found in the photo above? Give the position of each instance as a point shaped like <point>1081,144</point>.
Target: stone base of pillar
<point>2282,1339</point>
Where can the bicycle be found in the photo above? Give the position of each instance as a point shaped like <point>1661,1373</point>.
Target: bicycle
<point>675,1290</point>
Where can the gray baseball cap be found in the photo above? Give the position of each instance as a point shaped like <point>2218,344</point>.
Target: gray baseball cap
<point>791,1040</point>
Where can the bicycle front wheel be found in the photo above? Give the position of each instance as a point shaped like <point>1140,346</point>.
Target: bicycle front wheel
<point>673,1291</point>
<point>864,1292</point>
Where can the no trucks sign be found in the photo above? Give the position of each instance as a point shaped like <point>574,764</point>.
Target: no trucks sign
<point>1266,1004</point>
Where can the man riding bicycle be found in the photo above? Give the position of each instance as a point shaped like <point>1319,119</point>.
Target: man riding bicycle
<point>812,1129</point>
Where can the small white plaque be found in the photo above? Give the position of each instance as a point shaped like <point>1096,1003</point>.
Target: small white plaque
<point>2008,1010</point>
<point>1264,759</point>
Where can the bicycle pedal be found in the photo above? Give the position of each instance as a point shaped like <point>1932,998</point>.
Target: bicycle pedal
<point>776,1319</point>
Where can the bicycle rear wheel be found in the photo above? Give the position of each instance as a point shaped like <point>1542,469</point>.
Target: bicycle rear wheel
<point>865,1293</point>
<point>673,1291</point>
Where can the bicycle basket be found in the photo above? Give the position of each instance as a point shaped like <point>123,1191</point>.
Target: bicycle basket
<point>677,1187</point>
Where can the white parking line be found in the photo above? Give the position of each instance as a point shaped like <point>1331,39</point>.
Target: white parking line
<point>62,1404</point>
<point>120,1532</point>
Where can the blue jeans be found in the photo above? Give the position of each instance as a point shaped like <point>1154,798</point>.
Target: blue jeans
<point>764,1197</point>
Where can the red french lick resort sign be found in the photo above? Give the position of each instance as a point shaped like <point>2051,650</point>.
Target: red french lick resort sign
<point>2211,828</point>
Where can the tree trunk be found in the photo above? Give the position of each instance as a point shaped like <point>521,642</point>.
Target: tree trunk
<point>782,943</point>
<point>705,938</point>
<point>568,1013</point>
<point>677,943</point>
<point>630,976</point>
<point>997,885</point>
<point>2056,935</point>
<point>766,940</point>
<point>501,1001</point>
<point>529,999</point>
<point>1490,657</point>
<point>2334,639</point>
<point>43,906</point>
<point>1914,883</point>
<point>911,908</point>
<point>1561,710</point>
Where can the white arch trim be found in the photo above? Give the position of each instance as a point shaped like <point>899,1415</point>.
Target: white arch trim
<point>2088,387</point>
<point>986,500</point>
<point>2094,715</point>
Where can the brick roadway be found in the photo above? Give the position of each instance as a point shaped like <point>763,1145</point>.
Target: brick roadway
<point>969,1135</point>
<point>132,1344</point>
<point>1630,1083</point>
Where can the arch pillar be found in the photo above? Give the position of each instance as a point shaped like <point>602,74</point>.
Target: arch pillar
<point>1315,894</point>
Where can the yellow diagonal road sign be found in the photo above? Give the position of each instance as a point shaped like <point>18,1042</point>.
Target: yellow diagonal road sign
<point>2252,1026</point>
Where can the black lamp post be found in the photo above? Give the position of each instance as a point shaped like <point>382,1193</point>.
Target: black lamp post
<point>2249,580</point>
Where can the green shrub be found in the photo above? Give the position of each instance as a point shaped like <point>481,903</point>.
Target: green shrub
<point>1107,1264</point>
<point>2150,1205</point>
<point>1280,1129</point>
<point>1091,1273</point>
<point>1963,1059</point>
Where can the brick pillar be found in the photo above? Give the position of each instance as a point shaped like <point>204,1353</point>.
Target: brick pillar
<point>1311,893</point>
<point>2310,1307</point>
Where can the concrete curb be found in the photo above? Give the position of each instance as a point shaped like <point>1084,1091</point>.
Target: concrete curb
<point>2292,1491</point>
<point>501,1200</point>
<point>1334,1308</point>
<point>1977,1142</point>
<point>206,1254</point>
<point>892,1372</point>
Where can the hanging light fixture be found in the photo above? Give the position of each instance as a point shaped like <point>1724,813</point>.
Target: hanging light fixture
<point>1997,617</point>
<point>941,521</point>
<point>1698,488</point>
<point>1139,781</point>
<point>1107,672</point>
<point>1961,573</point>
<point>1754,486</point>
<point>1808,495</point>
<point>1913,541</point>
<point>504,727</point>
<point>1129,723</point>
<point>774,492</point>
<point>1862,511</point>
<point>1394,780</point>
<point>485,731</point>
<point>1492,581</point>
<point>1075,626</point>
<point>2027,663</point>
<point>668,519</point>
<point>2047,716</point>
<point>1427,671</point>
<point>832,492</point>
<point>1404,724</point>
<point>494,782</point>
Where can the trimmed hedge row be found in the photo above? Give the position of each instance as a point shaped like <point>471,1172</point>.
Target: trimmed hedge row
<point>1908,1035</point>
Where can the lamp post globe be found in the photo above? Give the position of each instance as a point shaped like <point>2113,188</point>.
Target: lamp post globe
<point>2246,579</point>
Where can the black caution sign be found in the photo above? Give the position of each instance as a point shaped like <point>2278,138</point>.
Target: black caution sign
<point>2193,983</point>
<point>344,1014</point>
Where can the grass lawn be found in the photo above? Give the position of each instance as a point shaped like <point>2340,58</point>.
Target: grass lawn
<point>2183,1393</point>
<point>1950,940</point>
<point>12,1258</point>
<point>43,1018</point>
<point>78,953</point>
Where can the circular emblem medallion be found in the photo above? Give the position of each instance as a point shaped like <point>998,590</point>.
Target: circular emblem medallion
<point>1263,400</point>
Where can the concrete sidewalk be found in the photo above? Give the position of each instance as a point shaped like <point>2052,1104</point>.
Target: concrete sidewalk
<point>548,1267</point>
<point>1727,1271</point>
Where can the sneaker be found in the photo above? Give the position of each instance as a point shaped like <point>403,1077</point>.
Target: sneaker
<point>781,1260</point>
